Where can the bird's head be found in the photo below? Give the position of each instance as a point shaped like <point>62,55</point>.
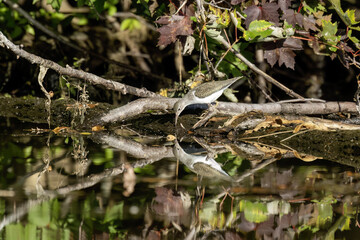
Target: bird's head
<point>178,108</point>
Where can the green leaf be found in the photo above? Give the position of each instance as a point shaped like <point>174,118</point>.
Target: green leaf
<point>130,24</point>
<point>350,16</point>
<point>112,10</point>
<point>214,34</point>
<point>325,214</point>
<point>329,34</point>
<point>40,214</point>
<point>30,29</point>
<point>27,151</point>
<point>355,28</point>
<point>109,154</point>
<point>193,18</point>
<point>55,4</point>
<point>312,7</point>
<point>30,231</point>
<point>238,26</point>
<point>114,213</point>
<point>99,5</point>
<point>337,6</point>
<point>345,17</point>
<point>255,212</point>
<point>82,21</point>
<point>14,231</point>
<point>146,170</point>
<point>258,28</point>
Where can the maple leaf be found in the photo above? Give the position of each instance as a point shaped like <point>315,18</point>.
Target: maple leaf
<point>268,12</point>
<point>284,4</point>
<point>282,52</point>
<point>174,26</point>
<point>293,43</point>
<point>293,17</point>
<point>309,23</point>
<point>252,13</point>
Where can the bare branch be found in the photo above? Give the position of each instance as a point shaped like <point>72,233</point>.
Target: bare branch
<point>92,78</point>
<point>253,67</point>
<point>65,41</point>
<point>140,106</point>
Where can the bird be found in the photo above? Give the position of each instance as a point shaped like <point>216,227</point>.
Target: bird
<point>203,165</point>
<point>205,93</point>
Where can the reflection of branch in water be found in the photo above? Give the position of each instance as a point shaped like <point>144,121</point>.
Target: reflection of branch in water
<point>153,153</point>
<point>133,148</point>
<point>255,169</point>
<point>20,212</point>
<point>83,184</point>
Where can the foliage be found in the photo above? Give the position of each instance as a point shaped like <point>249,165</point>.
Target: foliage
<point>280,27</point>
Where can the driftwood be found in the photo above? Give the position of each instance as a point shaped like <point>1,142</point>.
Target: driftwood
<point>224,108</point>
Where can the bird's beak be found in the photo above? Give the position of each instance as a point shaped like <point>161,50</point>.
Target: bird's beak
<point>176,118</point>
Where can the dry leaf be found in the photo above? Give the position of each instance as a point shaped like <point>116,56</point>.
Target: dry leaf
<point>305,157</point>
<point>97,128</point>
<point>129,180</point>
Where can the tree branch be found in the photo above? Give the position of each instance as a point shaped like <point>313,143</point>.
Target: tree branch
<point>92,78</point>
<point>253,67</point>
<point>140,106</point>
<point>65,41</point>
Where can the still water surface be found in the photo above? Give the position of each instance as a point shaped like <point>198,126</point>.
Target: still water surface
<point>121,185</point>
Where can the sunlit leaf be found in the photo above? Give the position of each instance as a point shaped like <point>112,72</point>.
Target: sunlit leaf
<point>114,213</point>
<point>325,210</point>
<point>328,32</point>
<point>27,151</point>
<point>30,231</point>
<point>14,231</point>
<point>350,16</point>
<point>130,24</point>
<point>146,170</point>
<point>258,28</point>
<point>255,212</point>
<point>55,4</point>
<point>40,214</point>
<point>109,153</point>
<point>30,29</point>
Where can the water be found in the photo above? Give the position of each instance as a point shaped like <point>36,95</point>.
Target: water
<point>120,185</point>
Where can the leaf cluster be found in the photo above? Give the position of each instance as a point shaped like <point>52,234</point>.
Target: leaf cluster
<point>280,27</point>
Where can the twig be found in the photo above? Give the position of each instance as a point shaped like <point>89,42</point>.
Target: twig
<point>92,78</point>
<point>257,168</point>
<point>65,41</point>
<point>258,71</point>
<point>247,62</point>
<point>16,7</point>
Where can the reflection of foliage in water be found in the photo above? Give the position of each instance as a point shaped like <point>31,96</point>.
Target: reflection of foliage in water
<point>293,201</point>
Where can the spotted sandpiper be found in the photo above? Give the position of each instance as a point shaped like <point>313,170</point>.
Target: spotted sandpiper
<point>203,165</point>
<point>204,93</point>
